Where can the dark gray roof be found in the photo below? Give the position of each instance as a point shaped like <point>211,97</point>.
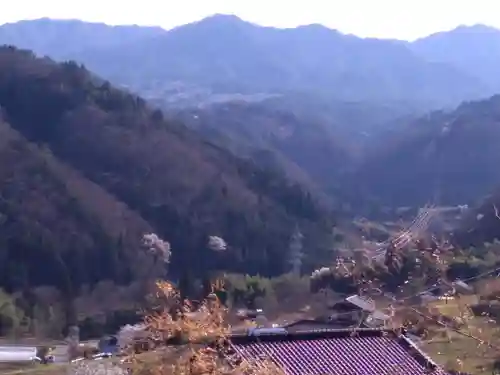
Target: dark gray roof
<point>338,352</point>
<point>362,303</point>
<point>311,325</point>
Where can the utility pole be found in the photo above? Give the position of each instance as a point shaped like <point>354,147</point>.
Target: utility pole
<point>296,253</point>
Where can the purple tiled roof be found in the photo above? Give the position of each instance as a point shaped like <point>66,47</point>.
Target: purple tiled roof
<point>338,352</point>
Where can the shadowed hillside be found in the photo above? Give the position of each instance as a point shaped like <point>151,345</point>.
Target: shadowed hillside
<point>481,224</point>
<point>446,157</point>
<point>178,185</point>
<point>309,150</point>
<point>58,228</point>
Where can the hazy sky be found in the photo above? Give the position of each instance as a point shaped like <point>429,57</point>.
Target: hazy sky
<point>403,19</point>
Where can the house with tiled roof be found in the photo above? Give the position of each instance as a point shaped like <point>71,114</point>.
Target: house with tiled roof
<point>365,351</point>
<point>372,317</point>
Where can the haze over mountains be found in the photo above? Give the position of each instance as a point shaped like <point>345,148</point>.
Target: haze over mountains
<point>474,50</point>
<point>226,55</point>
<point>264,131</point>
<point>291,98</point>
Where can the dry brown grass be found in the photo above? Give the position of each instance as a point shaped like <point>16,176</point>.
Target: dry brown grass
<point>204,331</point>
<point>451,334</point>
<point>33,369</point>
<point>469,343</point>
<point>472,349</point>
<point>202,343</point>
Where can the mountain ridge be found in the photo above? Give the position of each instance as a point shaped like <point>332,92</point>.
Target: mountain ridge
<point>444,158</point>
<point>456,46</point>
<point>236,56</point>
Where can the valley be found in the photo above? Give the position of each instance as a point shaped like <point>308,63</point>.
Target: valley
<point>297,167</point>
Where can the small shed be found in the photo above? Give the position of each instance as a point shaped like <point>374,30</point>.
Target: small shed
<point>462,287</point>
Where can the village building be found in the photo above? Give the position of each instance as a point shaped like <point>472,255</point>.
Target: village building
<point>368,351</point>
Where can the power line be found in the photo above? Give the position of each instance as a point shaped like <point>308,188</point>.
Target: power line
<point>404,239</point>
<point>435,287</point>
<point>400,300</point>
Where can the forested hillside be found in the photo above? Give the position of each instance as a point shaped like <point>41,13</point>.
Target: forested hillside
<point>353,124</point>
<point>96,169</point>
<point>482,223</point>
<point>57,228</point>
<point>281,139</point>
<point>444,158</point>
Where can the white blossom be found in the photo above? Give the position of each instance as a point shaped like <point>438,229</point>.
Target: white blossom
<point>129,333</point>
<point>95,368</point>
<point>156,246</point>
<point>319,273</point>
<point>216,243</point>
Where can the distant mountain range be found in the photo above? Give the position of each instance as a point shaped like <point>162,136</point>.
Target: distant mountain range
<point>472,49</point>
<point>222,56</point>
<point>65,39</point>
